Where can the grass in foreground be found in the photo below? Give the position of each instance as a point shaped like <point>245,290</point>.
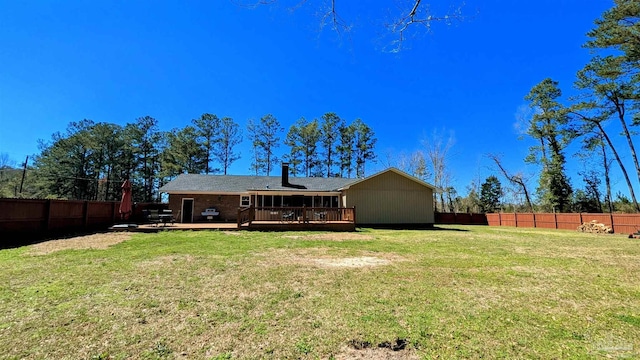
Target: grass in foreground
<point>477,292</point>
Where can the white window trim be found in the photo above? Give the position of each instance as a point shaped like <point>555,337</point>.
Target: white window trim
<point>245,196</point>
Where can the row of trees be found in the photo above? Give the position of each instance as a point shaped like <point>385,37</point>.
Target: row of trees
<point>608,94</point>
<point>90,160</point>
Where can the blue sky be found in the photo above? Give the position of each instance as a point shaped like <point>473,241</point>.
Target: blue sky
<point>114,61</point>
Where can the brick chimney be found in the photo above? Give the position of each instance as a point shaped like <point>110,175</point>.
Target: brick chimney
<point>285,174</point>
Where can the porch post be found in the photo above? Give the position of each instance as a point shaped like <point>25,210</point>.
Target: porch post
<point>304,213</point>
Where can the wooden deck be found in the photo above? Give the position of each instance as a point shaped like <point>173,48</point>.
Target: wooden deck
<point>266,219</point>
<point>255,226</point>
<point>300,226</point>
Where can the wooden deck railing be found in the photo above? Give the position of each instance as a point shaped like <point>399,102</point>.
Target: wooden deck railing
<point>245,215</point>
<point>296,215</point>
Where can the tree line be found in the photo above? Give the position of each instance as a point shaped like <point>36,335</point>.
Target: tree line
<point>606,105</point>
<point>90,160</point>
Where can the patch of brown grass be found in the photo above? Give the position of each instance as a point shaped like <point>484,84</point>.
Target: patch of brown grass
<point>94,241</point>
<point>321,257</point>
<point>337,236</point>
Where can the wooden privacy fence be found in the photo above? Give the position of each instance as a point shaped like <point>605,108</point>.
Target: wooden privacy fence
<point>30,216</point>
<point>620,223</point>
<point>460,219</point>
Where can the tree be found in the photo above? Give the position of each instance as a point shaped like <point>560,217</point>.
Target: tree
<point>490,194</point>
<point>63,164</point>
<point>329,129</point>
<point>229,136</point>
<point>265,140</point>
<point>303,138</point>
<point>207,129</point>
<point>617,29</point>
<point>406,20</point>
<point>471,202</point>
<point>147,143</point>
<point>604,94</point>
<point>257,165</point>
<point>437,153</point>
<point>183,153</point>
<point>518,180</point>
<point>550,125</point>
<point>345,149</point>
<point>365,143</point>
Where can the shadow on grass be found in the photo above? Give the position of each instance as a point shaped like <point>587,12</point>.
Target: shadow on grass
<point>17,239</point>
<point>407,227</point>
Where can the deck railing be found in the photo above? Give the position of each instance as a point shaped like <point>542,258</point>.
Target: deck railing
<point>300,215</point>
<point>245,215</point>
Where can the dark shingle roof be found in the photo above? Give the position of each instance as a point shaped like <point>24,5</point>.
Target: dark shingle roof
<point>242,183</point>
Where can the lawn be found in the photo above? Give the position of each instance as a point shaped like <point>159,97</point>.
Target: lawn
<point>456,292</point>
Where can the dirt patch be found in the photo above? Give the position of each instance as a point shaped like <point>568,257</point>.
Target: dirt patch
<point>395,350</point>
<point>352,262</point>
<point>338,236</point>
<point>94,241</point>
<point>376,354</point>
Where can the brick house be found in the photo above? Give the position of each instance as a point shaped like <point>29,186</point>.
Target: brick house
<point>390,197</point>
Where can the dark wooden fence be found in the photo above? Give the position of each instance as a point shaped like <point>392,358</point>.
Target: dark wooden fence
<point>620,223</point>
<point>460,219</point>
<point>30,216</point>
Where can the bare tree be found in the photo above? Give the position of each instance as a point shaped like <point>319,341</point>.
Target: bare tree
<point>407,15</point>
<point>437,152</point>
<point>516,180</point>
<point>5,161</point>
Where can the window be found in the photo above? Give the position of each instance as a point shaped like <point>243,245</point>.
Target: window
<point>245,200</point>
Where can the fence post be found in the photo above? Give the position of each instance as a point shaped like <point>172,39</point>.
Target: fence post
<point>555,218</point>
<point>580,214</point>
<point>515,215</point>
<point>534,220</point>
<point>499,219</point>
<point>304,213</point>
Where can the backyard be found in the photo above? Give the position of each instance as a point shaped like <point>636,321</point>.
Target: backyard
<point>453,292</point>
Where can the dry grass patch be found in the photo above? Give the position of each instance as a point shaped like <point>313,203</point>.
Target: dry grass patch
<point>337,236</point>
<point>94,241</point>
<point>326,258</point>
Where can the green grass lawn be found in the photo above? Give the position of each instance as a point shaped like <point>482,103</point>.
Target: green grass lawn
<point>458,292</point>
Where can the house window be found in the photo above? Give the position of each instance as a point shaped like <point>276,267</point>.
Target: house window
<point>245,200</point>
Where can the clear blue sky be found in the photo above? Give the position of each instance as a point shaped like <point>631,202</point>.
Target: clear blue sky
<point>114,61</point>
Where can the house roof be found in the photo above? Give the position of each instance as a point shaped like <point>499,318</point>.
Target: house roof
<point>394,170</point>
<point>241,183</point>
<point>199,183</point>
